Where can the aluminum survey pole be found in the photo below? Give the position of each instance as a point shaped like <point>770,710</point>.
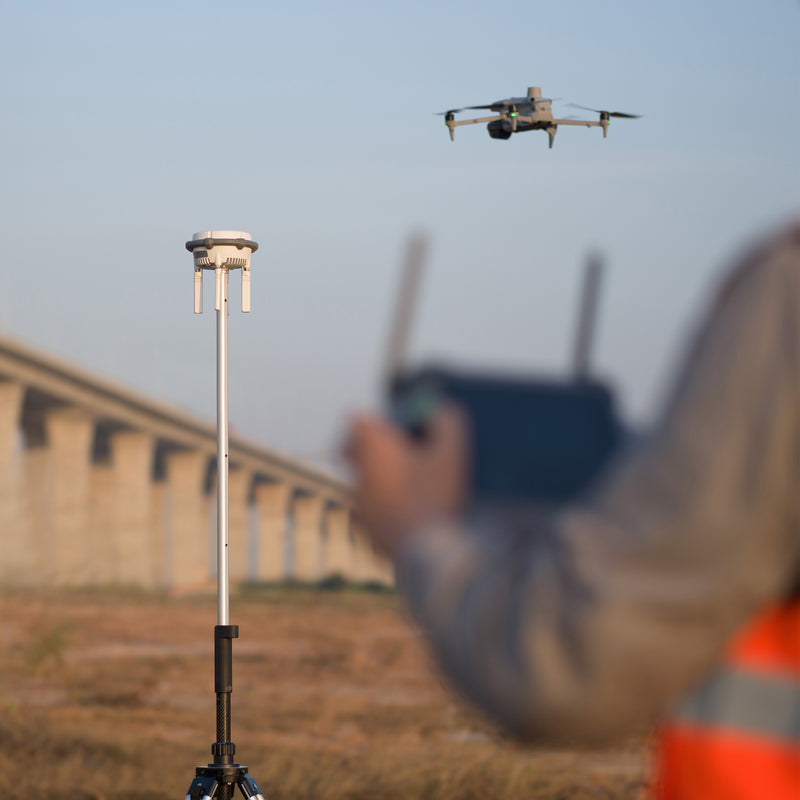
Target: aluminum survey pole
<point>221,305</point>
<point>222,251</point>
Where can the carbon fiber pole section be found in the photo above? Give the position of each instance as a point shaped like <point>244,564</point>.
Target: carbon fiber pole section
<point>223,718</point>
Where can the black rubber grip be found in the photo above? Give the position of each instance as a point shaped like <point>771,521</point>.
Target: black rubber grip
<point>223,657</point>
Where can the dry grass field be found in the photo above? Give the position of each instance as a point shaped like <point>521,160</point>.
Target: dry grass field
<point>109,696</point>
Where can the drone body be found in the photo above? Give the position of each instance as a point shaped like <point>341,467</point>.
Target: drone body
<point>530,113</point>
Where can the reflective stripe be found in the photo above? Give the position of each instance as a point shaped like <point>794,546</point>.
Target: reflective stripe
<point>738,699</point>
<point>697,763</point>
<point>770,642</point>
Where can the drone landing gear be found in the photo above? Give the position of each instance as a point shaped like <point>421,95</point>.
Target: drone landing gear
<point>551,133</point>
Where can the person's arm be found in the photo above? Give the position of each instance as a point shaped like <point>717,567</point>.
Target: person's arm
<point>592,624</point>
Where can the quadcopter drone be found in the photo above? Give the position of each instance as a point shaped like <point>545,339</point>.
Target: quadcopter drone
<point>531,113</point>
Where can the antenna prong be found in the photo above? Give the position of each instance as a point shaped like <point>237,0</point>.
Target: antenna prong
<point>245,289</point>
<point>405,305</point>
<point>198,290</point>
<point>218,288</point>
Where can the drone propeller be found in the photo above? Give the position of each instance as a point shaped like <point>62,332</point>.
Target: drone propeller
<point>495,106</point>
<point>501,105</point>
<point>607,113</point>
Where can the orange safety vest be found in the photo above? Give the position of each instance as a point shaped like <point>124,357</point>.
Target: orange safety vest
<point>738,736</point>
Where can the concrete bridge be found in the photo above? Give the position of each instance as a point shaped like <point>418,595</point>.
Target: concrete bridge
<point>100,485</point>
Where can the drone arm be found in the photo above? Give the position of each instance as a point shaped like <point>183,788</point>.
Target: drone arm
<point>452,124</point>
<point>587,123</point>
<point>603,123</point>
<point>455,123</point>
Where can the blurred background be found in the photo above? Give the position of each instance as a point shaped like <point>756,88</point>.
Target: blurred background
<point>128,127</point>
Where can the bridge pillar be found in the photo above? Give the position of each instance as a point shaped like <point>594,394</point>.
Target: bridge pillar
<point>18,564</point>
<point>338,543</point>
<point>135,542</point>
<point>70,434</point>
<point>308,541</point>
<point>36,492</point>
<point>160,534</point>
<point>382,570</point>
<point>103,565</point>
<point>272,509</point>
<point>370,567</point>
<point>186,520</point>
<point>361,558</point>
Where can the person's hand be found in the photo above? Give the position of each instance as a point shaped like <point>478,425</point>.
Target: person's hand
<point>403,484</point>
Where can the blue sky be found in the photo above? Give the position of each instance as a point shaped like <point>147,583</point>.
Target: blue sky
<point>310,125</point>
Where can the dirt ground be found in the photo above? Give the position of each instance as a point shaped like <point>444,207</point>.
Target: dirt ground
<point>110,696</point>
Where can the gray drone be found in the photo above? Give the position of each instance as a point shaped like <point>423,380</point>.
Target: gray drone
<point>531,113</point>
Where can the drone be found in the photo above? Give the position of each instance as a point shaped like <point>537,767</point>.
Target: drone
<point>531,113</point>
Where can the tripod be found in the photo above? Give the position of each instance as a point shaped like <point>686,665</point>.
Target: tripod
<point>222,251</point>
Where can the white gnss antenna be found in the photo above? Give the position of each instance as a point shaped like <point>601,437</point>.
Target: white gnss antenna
<point>222,251</point>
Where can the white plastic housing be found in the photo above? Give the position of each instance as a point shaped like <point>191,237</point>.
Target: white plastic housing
<point>224,255</point>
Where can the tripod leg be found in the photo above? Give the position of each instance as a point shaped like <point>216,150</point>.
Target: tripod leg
<point>203,787</point>
<point>250,788</point>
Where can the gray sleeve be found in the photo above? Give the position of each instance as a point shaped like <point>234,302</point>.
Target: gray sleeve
<point>588,625</point>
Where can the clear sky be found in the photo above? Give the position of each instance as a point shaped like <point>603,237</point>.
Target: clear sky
<point>128,127</point>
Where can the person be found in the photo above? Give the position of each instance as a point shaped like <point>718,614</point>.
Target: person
<point>667,596</point>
